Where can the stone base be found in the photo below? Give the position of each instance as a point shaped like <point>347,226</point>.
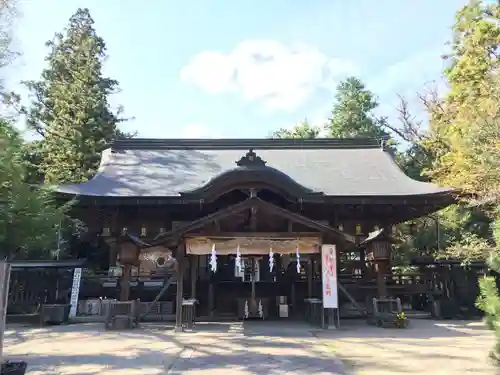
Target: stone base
<point>14,368</point>
<point>120,322</point>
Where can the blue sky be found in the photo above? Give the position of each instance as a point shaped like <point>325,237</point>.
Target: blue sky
<point>221,68</point>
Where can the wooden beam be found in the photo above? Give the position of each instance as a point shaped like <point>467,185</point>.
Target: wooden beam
<point>277,235</point>
<point>202,222</point>
<point>247,204</point>
<point>300,219</point>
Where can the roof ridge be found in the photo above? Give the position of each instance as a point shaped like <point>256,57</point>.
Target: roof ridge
<point>245,143</point>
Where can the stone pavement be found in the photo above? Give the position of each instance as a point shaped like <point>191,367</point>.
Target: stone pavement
<point>255,348</point>
<point>231,348</point>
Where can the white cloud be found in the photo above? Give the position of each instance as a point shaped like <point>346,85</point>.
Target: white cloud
<point>266,71</point>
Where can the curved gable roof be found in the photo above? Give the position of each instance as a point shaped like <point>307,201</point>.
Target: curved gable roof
<point>139,168</point>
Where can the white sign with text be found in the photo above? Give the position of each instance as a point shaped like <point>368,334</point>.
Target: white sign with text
<point>75,291</point>
<point>329,267</point>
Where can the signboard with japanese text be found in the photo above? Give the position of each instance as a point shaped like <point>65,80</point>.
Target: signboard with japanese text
<point>329,267</point>
<point>75,291</point>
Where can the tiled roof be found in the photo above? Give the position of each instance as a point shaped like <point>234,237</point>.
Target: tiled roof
<point>140,168</point>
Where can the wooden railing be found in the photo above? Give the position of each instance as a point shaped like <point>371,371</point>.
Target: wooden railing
<point>406,280</point>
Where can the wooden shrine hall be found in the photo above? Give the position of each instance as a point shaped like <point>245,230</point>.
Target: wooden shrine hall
<point>238,225</point>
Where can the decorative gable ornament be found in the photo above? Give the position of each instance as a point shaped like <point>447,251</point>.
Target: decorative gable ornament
<point>251,159</point>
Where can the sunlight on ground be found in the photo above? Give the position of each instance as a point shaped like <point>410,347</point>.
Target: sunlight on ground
<point>426,347</point>
<point>446,348</point>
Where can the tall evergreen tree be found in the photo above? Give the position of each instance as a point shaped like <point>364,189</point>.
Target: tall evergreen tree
<point>352,114</point>
<point>29,218</point>
<point>70,107</point>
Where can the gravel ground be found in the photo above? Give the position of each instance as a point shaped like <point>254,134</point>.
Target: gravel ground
<point>426,347</point>
<point>255,348</point>
<point>88,349</point>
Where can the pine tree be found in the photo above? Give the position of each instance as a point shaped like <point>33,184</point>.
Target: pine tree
<point>70,107</point>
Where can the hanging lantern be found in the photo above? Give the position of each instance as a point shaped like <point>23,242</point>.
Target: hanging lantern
<point>297,256</point>
<point>271,259</point>
<point>213,259</point>
<point>238,258</point>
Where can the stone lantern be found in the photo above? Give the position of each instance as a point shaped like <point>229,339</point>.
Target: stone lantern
<point>378,252</point>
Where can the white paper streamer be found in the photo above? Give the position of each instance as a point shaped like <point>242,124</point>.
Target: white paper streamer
<point>246,310</point>
<point>271,259</point>
<point>213,259</point>
<point>238,258</point>
<point>297,255</point>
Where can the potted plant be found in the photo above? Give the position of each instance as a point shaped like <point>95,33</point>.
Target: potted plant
<point>391,320</point>
<point>401,321</point>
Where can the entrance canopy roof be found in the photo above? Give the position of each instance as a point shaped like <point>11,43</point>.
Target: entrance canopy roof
<point>153,168</point>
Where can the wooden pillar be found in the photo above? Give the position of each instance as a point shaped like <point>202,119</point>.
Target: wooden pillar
<point>125,282</point>
<point>129,256</point>
<point>180,284</point>
<point>178,299</point>
<point>310,270</point>
<point>381,270</point>
<point>211,299</point>
<point>112,255</point>
<point>194,274</point>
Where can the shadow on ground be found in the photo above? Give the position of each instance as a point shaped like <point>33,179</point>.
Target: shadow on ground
<point>262,348</point>
<point>254,348</point>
